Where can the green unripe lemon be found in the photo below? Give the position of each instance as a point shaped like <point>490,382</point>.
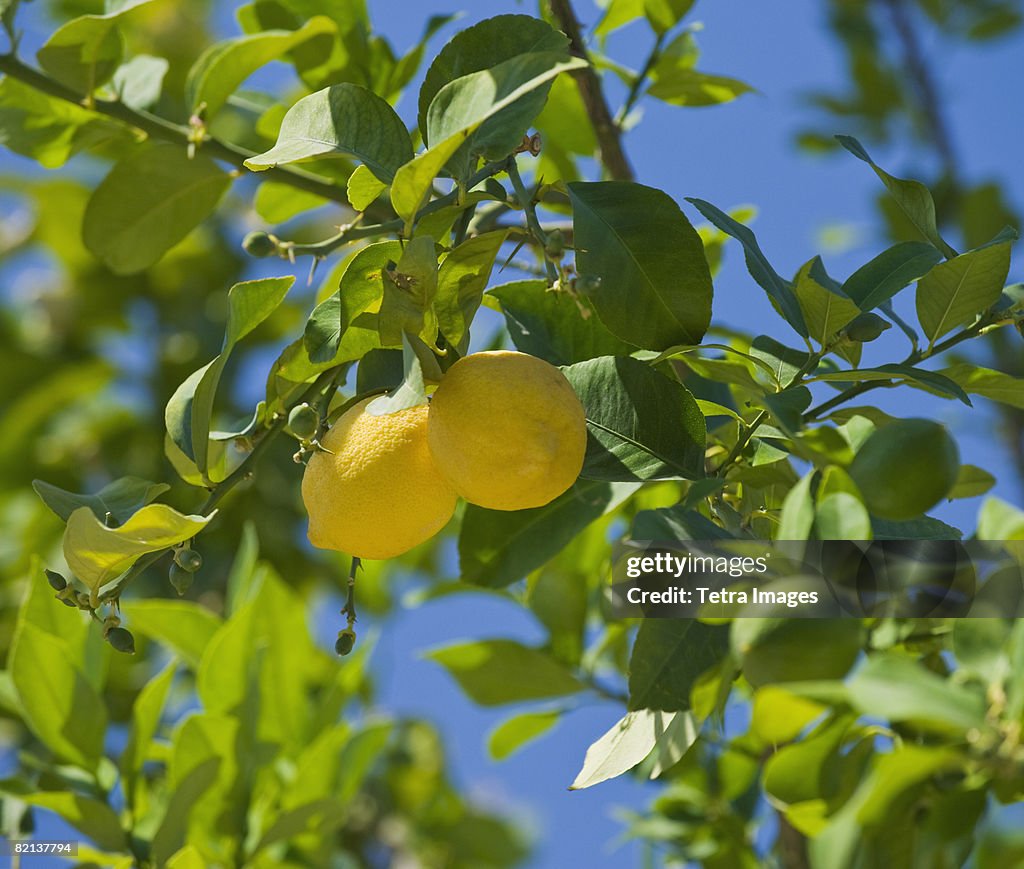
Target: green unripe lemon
<point>188,559</point>
<point>303,422</point>
<point>905,468</point>
<point>259,244</point>
<point>180,578</point>
<point>866,327</point>
<point>122,640</point>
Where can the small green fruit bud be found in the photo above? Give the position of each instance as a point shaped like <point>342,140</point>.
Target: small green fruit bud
<point>122,640</point>
<point>188,559</point>
<point>866,327</point>
<point>303,422</point>
<point>180,578</point>
<point>555,247</point>
<point>587,284</point>
<point>346,640</point>
<point>259,244</point>
<point>57,582</point>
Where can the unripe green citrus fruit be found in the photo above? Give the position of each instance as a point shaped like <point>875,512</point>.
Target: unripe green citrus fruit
<point>180,578</point>
<point>866,327</point>
<point>188,559</point>
<point>507,430</point>
<point>905,468</point>
<point>377,493</point>
<point>259,244</point>
<point>303,422</point>
<point>122,640</point>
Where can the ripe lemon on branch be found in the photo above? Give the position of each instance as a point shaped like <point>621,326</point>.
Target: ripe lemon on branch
<point>507,430</point>
<point>377,493</point>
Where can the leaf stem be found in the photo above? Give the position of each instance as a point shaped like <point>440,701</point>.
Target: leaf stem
<point>526,199</point>
<point>640,80</point>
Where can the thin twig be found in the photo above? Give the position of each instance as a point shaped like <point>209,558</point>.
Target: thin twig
<point>532,221</point>
<point>609,135</point>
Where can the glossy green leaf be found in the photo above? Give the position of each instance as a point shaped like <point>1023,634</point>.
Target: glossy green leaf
<point>825,311</point>
<point>120,499</point>
<point>663,15</point>
<point>360,289</point>
<point>668,657</point>
<point>682,86</point>
<point>879,280</point>
<point>912,197</point>
<point>84,53</point>
<point>498,547</point>
<point>988,383</point>
<point>641,425</point>
<point>655,287</point>
<point>954,293</point>
<point>148,203</point>
<point>778,715</point>
<point>481,47</point>
<point>90,816</point>
<point>971,482</point>
<point>842,516</point>
<point>779,290</point>
<point>139,81</point>
<point>277,202</point>
<point>515,733</point>
<point>344,119</point>
<point>1000,520</point>
<point>552,326</point>
<point>797,517</point>
<point>225,65</point>
<point>60,706</point>
<point>461,108</point>
<point>97,554</point>
<point>188,415</point>
<point>461,282</point>
<point>410,288</point>
<point>493,672</point>
<point>627,743</point>
<point>50,130</point>
<point>363,188</point>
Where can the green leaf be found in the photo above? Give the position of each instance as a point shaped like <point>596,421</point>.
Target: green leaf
<point>497,547</point>
<point>184,627</point>
<point>825,311</point>
<point>619,13</point>
<point>360,289</point>
<point>120,499</point>
<point>84,53</point>
<point>879,280</point>
<point>344,119</point>
<point>363,188</point>
<point>482,46</point>
<point>913,198</point>
<point>994,385</point>
<point>628,742</point>
<point>461,282</point>
<point>842,516</point>
<point>778,716</point>
<point>675,523</point>
<point>189,412</point>
<point>460,108</point>
<point>999,520</point>
<point>641,425</point>
<point>138,82</point>
<point>148,203</point>
<point>515,733</point>
<point>779,290</point>
<point>188,789</point>
<point>95,819</point>
<point>277,202</point>
<point>410,392</point>
<point>97,554</point>
<point>50,130</point>
<point>222,67</point>
<point>971,482</point>
<point>898,689</point>
<point>410,287</point>
<point>954,293</point>
<point>931,381</point>
<point>655,287</point>
<point>797,517</point>
<point>663,15</point>
<point>493,672</point>
<point>60,706</point>
<point>683,86</point>
<point>552,326</point>
<point>668,657</point>
<point>147,712</point>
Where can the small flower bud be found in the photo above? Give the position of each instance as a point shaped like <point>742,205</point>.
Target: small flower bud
<point>57,582</point>
<point>346,640</point>
<point>122,640</point>
<point>180,578</point>
<point>188,559</point>
<point>259,244</point>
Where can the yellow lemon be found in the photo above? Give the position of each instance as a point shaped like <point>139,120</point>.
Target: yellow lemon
<point>507,430</point>
<point>378,492</point>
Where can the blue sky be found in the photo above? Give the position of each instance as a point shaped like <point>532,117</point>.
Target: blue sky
<point>741,153</point>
